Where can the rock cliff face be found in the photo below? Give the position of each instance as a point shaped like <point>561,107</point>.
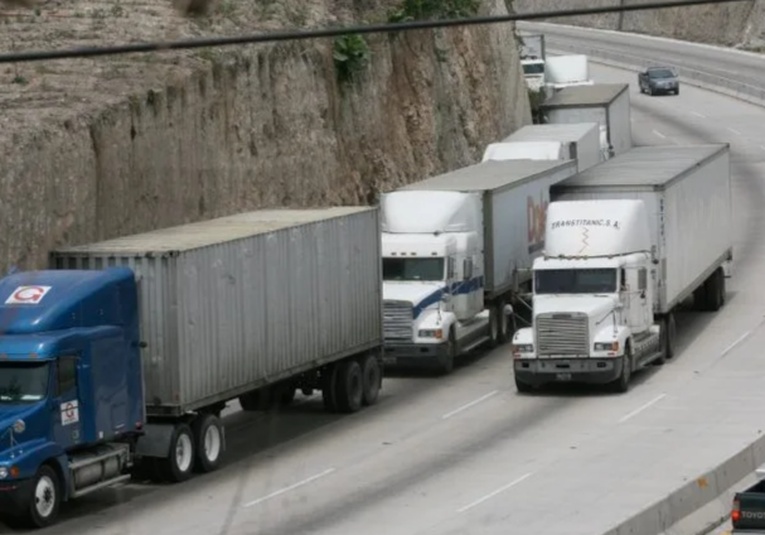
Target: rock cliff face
<point>97,148</point>
<point>739,24</point>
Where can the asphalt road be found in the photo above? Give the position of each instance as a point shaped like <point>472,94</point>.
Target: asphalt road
<point>465,453</point>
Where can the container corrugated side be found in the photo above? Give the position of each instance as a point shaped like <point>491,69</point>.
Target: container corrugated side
<point>225,318</point>
<point>696,228</point>
<point>514,229</point>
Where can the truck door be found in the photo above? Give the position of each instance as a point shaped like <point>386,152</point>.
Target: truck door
<point>67,424</point>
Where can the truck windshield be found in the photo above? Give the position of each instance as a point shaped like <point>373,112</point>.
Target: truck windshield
<point>534,68</point>
<point>575,281</point>
<point>413,269</point>
<point>22,382</point>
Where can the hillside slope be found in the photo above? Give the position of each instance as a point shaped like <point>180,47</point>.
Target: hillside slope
<point>740,24</point>
<point>97,148</point>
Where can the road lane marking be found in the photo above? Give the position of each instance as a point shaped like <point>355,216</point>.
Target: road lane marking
<point>642,408</point>
<point>659,134</point>
<point>697,114</point>
<point>733,130</point>
<point>740,339</point>
<point>468,405</point>
<point>494,493</point>
<point>291,487</point>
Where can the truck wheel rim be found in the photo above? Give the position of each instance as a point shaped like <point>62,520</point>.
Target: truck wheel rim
<point>212,443</point>
<point>45,496</point>
<point>183,452</point>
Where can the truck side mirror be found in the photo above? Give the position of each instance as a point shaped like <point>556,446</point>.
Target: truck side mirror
<point>446,298</point>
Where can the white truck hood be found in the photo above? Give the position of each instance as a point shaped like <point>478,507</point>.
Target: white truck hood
<point>413,292</point>
<point>596,307</point>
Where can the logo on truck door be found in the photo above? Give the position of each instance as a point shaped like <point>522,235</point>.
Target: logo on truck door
<point>536,214</point>
<point>27,295</point>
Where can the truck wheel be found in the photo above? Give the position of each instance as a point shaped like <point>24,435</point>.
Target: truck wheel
<point>45,500</point>
<point>504,323</point>
<point>523,388</point>
<point>210,442</point>
<point>371,374</point>
<point>179,463</point>
<point>669,340</point>
<point>447,366</point>
<point>715,290</point>
<point>494,321</point>
<point>349,386</point>
<point>622,384</point>
<point>328,387</point>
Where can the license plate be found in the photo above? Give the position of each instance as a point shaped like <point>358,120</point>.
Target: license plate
<point>563,376</point>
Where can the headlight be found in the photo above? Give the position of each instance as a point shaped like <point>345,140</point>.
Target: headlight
<point>3,472</point>
<point>607,346</point>
<point>430,333</point>
<point>523,348</point>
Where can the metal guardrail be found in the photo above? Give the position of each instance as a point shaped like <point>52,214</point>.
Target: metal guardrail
<point>705,80</point>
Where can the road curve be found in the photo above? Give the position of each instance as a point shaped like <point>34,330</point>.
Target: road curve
<point>465,453</point>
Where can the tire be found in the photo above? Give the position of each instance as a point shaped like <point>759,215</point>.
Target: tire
<point>671,328</point>
<point>523,388</point>
<point>44,500</point>
<point>349,387</point>
<point>451,353</point>
<point>328,387</point>
<point>622,384</point>
<point>210,442</point>
<point>495,318</point>
<point>179,464</point>
<point>371,373</point>
<point>505,333</point>
<point>714,294</point>
<point>721,286</point>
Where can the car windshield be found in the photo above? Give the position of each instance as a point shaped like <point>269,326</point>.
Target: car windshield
<point>661,73</point>
<point>23,382</point>
<point>413,269</point>
<point>575,281</point>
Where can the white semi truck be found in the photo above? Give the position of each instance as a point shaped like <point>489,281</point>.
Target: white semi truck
<point>627,242</point>
<point>457,249</point>
<point>580,142</point>
<point>566,71</point>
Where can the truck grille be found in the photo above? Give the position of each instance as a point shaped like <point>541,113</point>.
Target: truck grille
<point>398,320</point>
<point>562,334</point>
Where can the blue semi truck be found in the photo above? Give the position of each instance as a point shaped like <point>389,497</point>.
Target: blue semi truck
<point>123,354</point>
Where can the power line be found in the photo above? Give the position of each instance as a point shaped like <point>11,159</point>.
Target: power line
<point>292,35</point>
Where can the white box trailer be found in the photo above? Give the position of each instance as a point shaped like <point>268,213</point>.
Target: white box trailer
<point>606,104</point>
<point>687,193</point>
<point>580,142</point>
<point>231,305</point>
<point>513,198</point>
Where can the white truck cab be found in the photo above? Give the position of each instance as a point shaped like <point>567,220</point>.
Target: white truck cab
<point>593,297</point>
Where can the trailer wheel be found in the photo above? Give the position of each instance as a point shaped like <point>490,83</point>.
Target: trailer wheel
<point>349,391</point>
<point>45,499</point>
<point>210,442</point>
<point>372,379</point>
<point>328,387</point>
<point>715,290</point>
<point>669,340</point>
<point>179,463</point>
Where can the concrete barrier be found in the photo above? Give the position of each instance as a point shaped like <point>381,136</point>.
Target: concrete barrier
<point>718,84</point>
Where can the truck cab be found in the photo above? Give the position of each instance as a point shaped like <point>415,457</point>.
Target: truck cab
<point>593,298</point>
<point>534,72</point>
<point>71,395</point>
<point>433,271</point>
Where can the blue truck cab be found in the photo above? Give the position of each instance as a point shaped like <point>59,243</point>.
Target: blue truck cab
<point>71,387</point>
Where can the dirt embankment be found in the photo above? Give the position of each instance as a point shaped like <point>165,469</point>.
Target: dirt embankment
<point>96,148</point>
<point>740,24</point>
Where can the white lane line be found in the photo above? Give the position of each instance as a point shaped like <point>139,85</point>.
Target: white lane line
<point>697,114</point>
<point>659,134</point>
<point>740,339</point>
<point>291,487</point>
<point>468,405</point>
<point>494,493</point>
<point>733,130</point>
<point>642,408</point>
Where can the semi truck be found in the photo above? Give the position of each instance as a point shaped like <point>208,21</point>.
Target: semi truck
<point>533,61</point>
<point>580,142</point>
<point>120,357</point>
<point>457,249</point>
<point>566,71</point>
<point>606,104</point>
<point>627,242</point>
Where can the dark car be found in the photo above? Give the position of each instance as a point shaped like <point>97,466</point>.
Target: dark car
<point>659,80</point>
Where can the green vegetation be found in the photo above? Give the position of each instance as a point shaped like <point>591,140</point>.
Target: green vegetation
<point>409,10</point>
<point>351,55</point>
